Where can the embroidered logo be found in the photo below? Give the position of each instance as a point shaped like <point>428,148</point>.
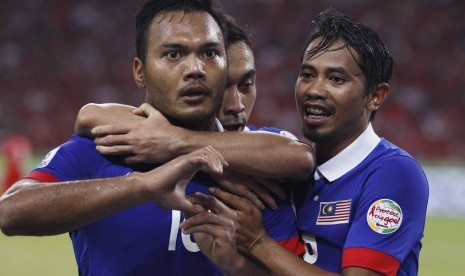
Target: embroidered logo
<point>48,158</point>
<point>384,216</point>
<point>336,212</point>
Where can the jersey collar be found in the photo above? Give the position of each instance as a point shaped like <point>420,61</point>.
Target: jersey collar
<point>350,157</point>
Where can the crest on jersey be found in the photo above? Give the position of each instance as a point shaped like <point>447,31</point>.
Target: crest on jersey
<point>48,158</point>
<point>384,216</point>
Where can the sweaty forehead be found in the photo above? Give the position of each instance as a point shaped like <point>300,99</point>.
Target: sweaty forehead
<point>185,26</point>
<point>337,54</point>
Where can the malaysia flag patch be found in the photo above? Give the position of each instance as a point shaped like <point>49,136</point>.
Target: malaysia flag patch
<point>336,212</point>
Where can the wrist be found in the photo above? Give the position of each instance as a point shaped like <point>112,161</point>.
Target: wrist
<point>258,245</point>
<point>141,189</point>
<point>181,142</point>
<point>237,267</point>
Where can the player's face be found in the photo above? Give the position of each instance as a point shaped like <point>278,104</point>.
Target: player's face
<point>240,94</point>
<point>330,97</point>
<point>185,68</point>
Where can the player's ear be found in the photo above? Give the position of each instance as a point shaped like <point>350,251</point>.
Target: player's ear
<point>377,98</point>
<point>138,72</point>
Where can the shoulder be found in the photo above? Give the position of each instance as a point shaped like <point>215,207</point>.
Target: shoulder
<point>75,159</point>
<point>395,161</point>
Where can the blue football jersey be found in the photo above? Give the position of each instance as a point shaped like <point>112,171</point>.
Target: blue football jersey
<point>145,239</point>
<point>366,209</point>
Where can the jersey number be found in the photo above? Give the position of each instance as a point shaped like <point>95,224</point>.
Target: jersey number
<point>186,239</point>
<point>311,250</point>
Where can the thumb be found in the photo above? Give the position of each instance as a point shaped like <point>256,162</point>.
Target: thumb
<point>145,110</point>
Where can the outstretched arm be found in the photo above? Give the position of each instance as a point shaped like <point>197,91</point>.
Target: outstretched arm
<point>253,153</point>
<point>33,208</point>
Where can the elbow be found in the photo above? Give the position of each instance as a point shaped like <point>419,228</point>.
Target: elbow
<point>7,224</point>
<point>85,119</point>
<point>306,162</point>
<point>11,217</point>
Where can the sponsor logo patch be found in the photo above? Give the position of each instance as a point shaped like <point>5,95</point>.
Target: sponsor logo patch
<point>384,216</point>
<point>335,212</point>
<point>48,158</point>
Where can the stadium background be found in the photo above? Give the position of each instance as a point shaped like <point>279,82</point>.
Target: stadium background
<point>57,55</point>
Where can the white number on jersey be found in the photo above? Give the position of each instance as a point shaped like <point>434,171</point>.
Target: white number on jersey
<point>311,250</point>
<point>186,239</point>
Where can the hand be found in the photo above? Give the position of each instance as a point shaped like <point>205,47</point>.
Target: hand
<point>214,232</point>
<point>257,190</point>
<point>249,225</point>
<point>167,184</point>
<point>147,141</point>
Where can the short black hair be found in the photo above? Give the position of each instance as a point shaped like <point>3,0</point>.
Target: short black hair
<point>153,7</point>
<point>374,58</point>
<point>236,33</point>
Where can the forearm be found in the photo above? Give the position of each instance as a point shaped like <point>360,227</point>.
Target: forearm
<point>257,154</point>
<point>92,115</point>
<point>34,208</point>
<point>280,261</point>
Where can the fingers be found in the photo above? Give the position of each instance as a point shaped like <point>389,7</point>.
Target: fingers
<point>264,195</point>
<point>144,110</point>
<point>210,160</point>
<point>249,193</point>
<point>273,186</point>
<point>114,150</point>
<point>231,200</point>
<point>105,130</point>
<point>207,222</point>
<point>197,208</point>
<point>210,203</point>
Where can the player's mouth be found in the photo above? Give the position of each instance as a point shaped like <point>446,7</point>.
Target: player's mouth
<point>234,127</point>
<point>315,114</point>
<point>194,94</point>
<point>233,123</point>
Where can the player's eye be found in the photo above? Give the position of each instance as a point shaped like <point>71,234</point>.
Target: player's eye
<point>246,85</point>
<point>210,54</point>
<point>305,74</point>
<point>173,55</point>
<point>337,80</point>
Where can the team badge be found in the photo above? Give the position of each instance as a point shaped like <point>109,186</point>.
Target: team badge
<point>48,158</point>
<point>384,216</point>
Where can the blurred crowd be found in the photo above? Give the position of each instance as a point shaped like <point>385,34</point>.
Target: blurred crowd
<point>57,55</point>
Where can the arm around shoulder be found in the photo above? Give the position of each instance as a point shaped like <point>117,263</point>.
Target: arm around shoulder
<point>257,154</point>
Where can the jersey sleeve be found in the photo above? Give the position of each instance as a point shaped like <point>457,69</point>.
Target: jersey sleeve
<point>77,159</point>
<point>390,216</point>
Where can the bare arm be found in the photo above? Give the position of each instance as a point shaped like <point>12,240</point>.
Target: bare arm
<point>92,115</point>
<point>257,154</point>
<point>144,150</point>
<point>33,208</point>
